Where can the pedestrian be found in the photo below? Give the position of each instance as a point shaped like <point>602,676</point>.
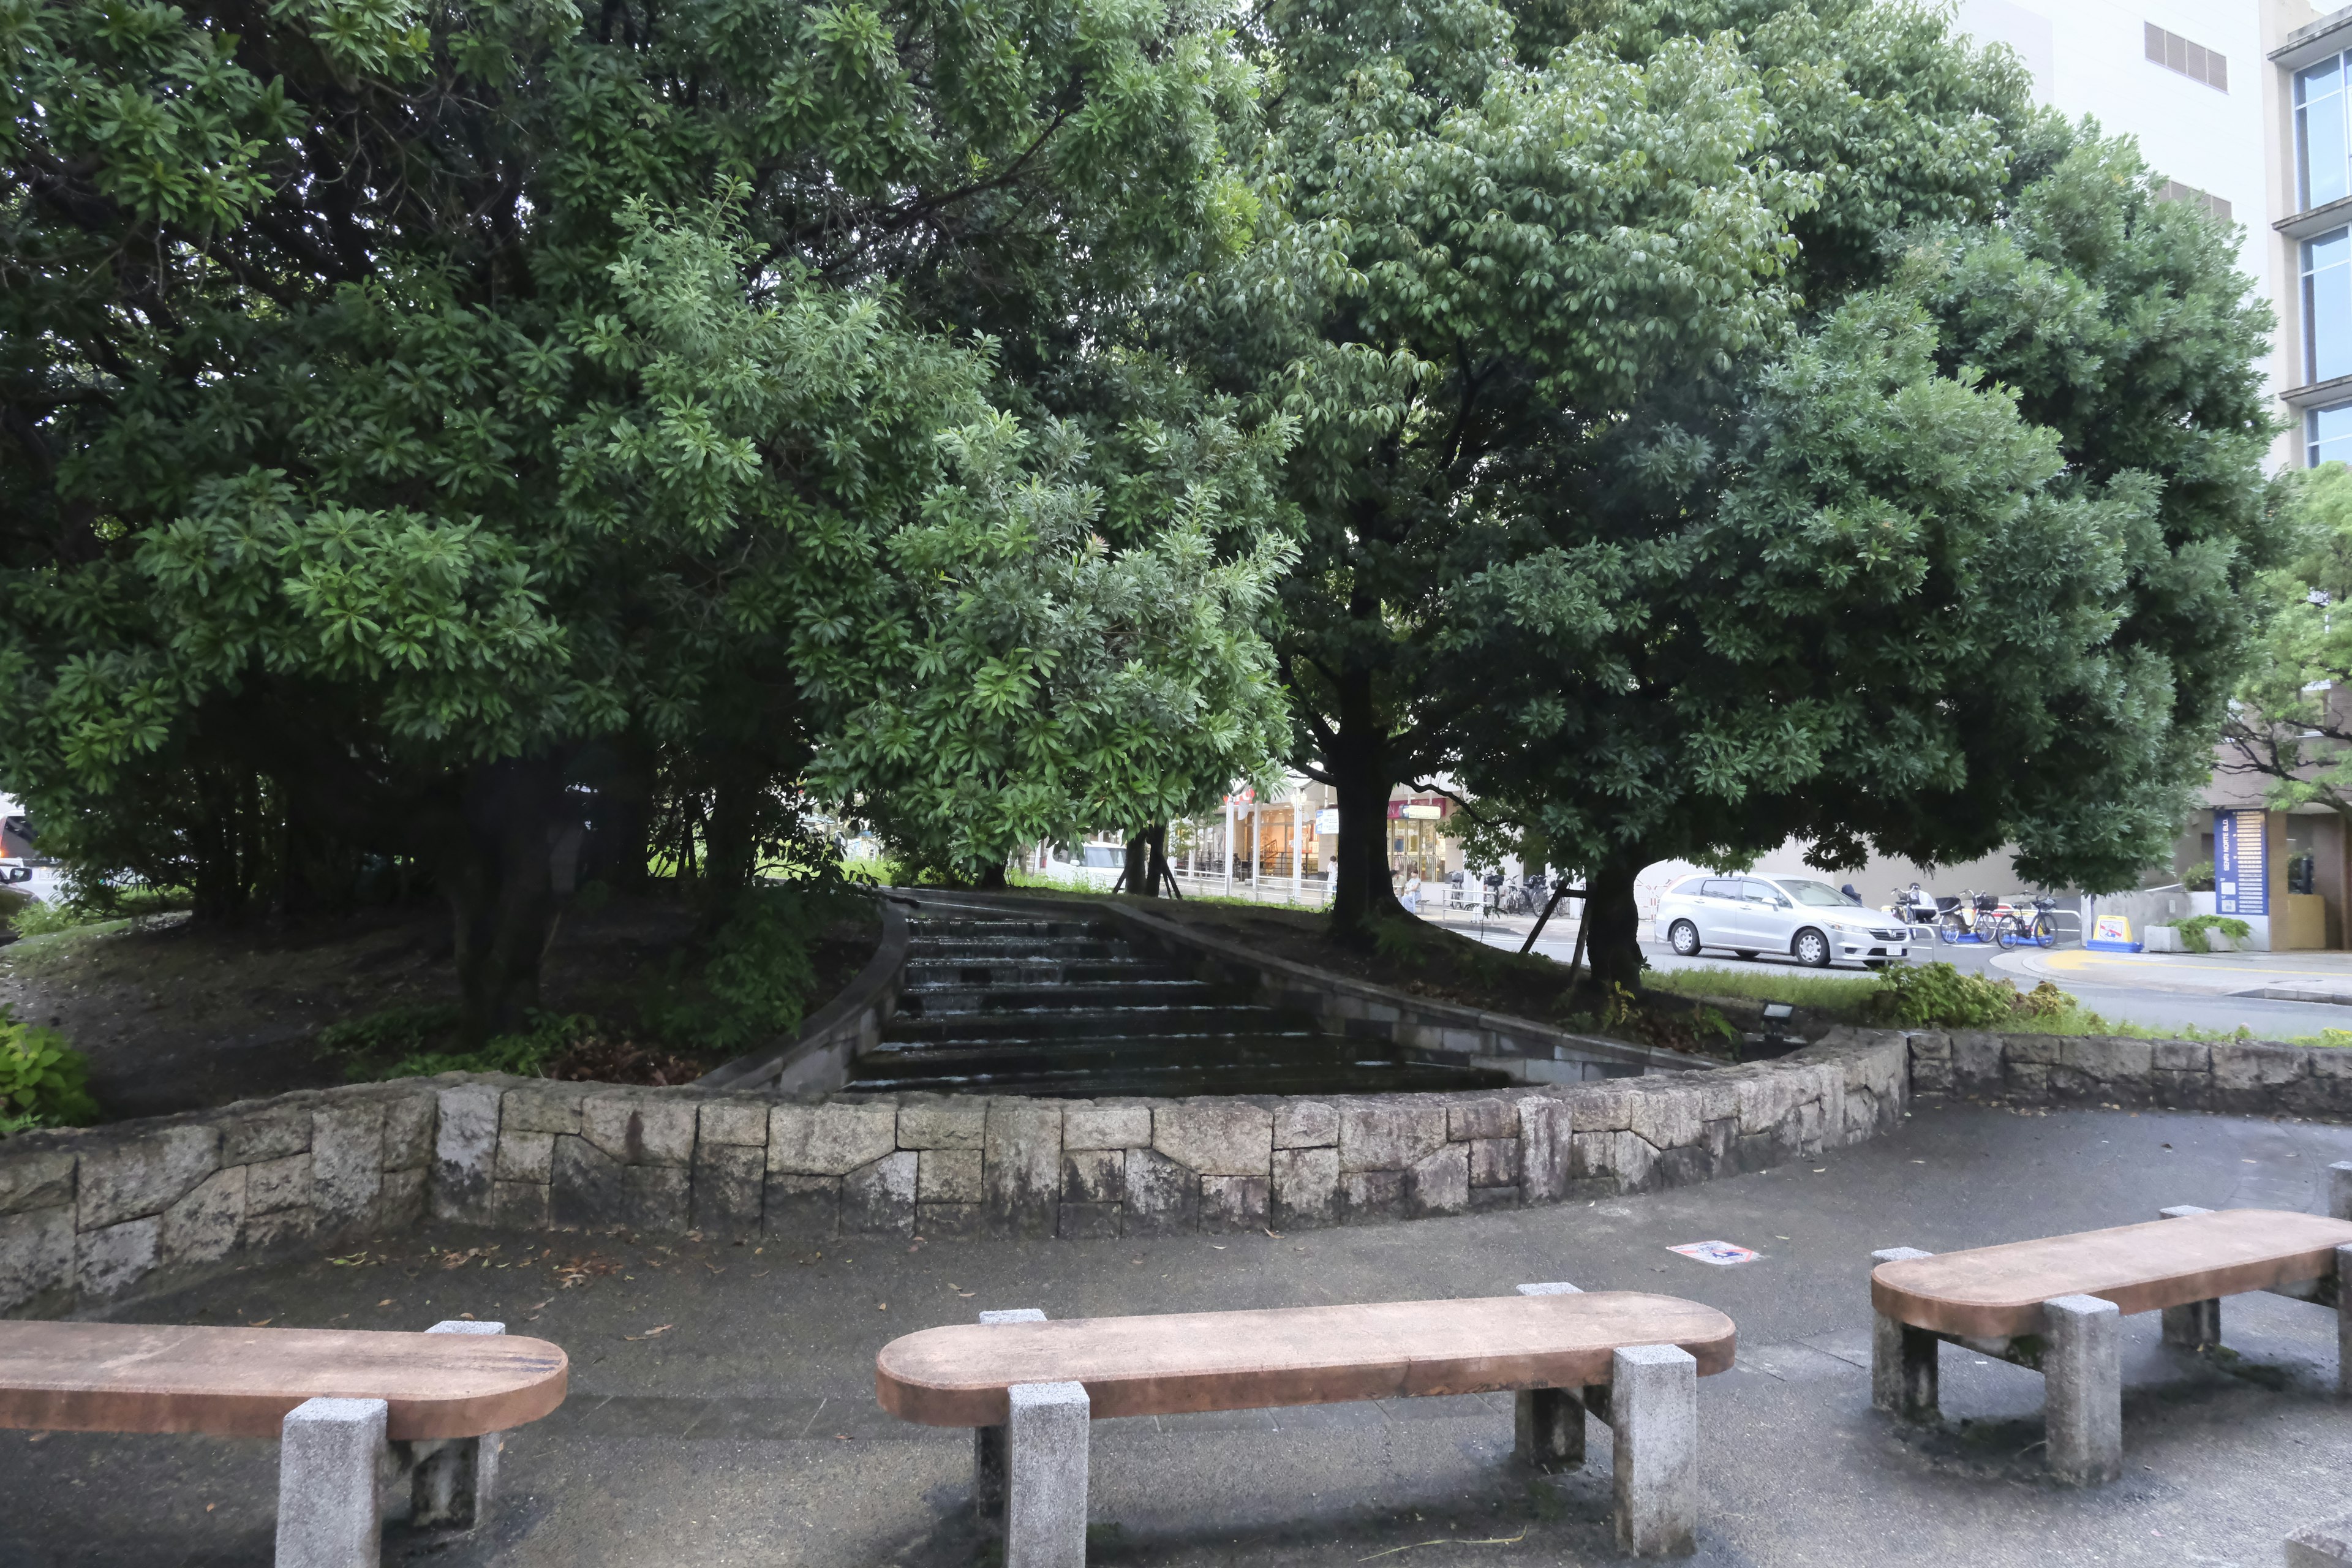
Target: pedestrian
<point>1410,897</point>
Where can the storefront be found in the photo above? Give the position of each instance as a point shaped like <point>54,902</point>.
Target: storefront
<point>1417,838</point>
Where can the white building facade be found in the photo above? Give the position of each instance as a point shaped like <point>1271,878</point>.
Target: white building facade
<point>2210,90</point>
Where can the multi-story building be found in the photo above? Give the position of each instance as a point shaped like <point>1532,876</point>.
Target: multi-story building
<point>2213,91</point>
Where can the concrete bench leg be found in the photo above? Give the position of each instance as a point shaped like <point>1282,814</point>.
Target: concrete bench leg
<point>1548,1424</point>
<point>327,1515</point>
<point>1653,1419</point>
<point>2192,1325</point>
<point>1903,1359</point>
<point>2344,1322</point>
<point>988,1442</point>
<point>2339,1190</point>
<point>2083,1389</point>
<point>445,1483</point>
<point>2327,1544</point>
<point>1045,1492</point>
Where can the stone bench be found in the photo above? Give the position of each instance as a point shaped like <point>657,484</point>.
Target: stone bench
<point>2056,1306</point>
<point>1028,1387</point>
<point>339,1401</point>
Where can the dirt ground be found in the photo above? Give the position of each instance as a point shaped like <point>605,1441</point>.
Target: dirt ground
<point>174,1015</point>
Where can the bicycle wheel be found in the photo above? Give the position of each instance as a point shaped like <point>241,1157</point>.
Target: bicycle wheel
<point>2004,930</point>
<point>1949,928</point>
<point>2045,931</point>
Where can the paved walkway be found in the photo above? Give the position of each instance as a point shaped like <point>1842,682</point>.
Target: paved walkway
<point>722,1408</point>
<point>2274,976</point>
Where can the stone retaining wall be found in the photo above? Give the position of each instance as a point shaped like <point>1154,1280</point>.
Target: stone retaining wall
<point>2247,1076</point>
<point>89,1215</point>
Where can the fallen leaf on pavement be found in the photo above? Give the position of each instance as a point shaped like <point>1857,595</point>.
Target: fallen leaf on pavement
<point>649,1333</point>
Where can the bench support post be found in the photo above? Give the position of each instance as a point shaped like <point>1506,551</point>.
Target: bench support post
<point>1046,1491</point>
<point>988,1442</point>
<point>1903,1359</point>
<point>2344,1322</point>
<point>445,1483</point>
<point>2339,1190</point>
<point>2192,1325</point>
<point>1548,1424</point>
<point>2327,1544</point>
<point>327,1513</point>
<point>1654,1421</point>
<point>2083,1389</point>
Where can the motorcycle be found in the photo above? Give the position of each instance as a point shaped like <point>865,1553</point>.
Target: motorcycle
<point>2012,925</point>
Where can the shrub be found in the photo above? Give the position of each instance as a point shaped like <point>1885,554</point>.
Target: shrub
<point>756,973</point>
<point>1937,995</point>
<point>2192,930</point>
<point>525,1055</point>
<point>2046,1001</point>
<point>2199,878</point>
<point>44,1082</point>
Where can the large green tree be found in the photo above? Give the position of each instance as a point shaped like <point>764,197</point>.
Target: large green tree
<point>1959,566</point>
<point>1472,260</point>
<point>2291,726</point>
<point>1889,484</point>
<point>422,423</point>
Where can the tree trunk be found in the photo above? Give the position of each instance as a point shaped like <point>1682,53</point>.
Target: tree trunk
<point>1356,762</point>
<point>506,874</point>
<point>1615,923</point>
<point>1157,875</point>
<point>1136,878</point>
<point>620,833</point>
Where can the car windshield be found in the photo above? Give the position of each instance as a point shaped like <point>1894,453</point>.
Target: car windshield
<point>1820,894</point>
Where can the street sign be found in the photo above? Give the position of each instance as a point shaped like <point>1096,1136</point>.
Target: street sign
<point>2242,873</point>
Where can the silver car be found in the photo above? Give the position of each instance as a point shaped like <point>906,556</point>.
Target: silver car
<point>1752,914</point>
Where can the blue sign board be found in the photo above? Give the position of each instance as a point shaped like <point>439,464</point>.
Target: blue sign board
<point>2241,872</point>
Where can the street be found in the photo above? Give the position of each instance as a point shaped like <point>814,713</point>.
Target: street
<point>2150,990</point>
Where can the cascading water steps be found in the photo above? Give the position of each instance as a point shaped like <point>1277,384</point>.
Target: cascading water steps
<point>1005,1004</point>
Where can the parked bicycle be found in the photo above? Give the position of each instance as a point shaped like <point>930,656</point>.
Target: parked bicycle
<point>2012,925</point>
<point>1914,906</point>
<point>1971,914</point>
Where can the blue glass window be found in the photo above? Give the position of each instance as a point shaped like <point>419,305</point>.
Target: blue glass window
<point>2319,133</point>
<point>2328,306</point>
<point>2327,434</point>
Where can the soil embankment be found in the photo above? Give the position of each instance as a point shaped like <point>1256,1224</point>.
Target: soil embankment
<point>174,1015</point>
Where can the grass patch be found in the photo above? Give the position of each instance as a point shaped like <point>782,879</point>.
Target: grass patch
<point>1839,996</point>
<point>1857,999</point>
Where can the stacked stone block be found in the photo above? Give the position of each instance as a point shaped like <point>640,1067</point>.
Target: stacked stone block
<point>90,1216</point>
<point>2251,1077</point>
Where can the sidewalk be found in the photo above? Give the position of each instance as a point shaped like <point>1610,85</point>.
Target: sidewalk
<point>2276,976</point>
<point>722,1413</point>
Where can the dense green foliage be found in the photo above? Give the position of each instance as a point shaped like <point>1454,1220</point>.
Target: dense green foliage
<point>1890,484</point>
<point>438,440</point>
<point>44,1082</point>
<point>2292,726</point>
<point>491,447</point>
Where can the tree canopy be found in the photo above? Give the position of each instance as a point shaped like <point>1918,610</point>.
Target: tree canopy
<point>429,429</point>
<point>1901,501</point>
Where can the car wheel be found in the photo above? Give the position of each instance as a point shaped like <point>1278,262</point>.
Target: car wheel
<point>1683,936</point>
<point>1745,951</point>
<point>1812,949</point>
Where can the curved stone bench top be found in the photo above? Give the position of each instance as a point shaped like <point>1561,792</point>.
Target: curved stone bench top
<point>240,1382</point>
<point>1992,1292</point>
<point>1165,1364</point>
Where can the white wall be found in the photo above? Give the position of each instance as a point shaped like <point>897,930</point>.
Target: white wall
<point>2089,56</point>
